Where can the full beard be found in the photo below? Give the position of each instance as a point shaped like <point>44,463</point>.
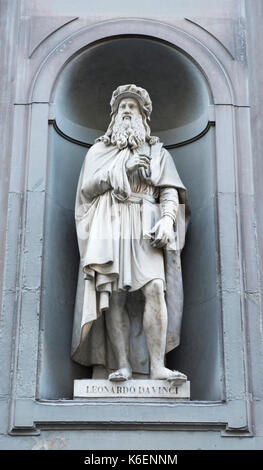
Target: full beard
<point>128,132</point>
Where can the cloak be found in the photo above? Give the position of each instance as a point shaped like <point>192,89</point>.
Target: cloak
<point>103,184</point>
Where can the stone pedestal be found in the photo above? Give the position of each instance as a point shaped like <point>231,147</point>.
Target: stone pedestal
<point>88,388</point>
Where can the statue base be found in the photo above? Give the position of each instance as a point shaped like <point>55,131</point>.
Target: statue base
<point>89,388</point>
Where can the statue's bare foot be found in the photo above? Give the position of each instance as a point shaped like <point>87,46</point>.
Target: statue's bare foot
<point>163,373</point>
<point>124,373</point>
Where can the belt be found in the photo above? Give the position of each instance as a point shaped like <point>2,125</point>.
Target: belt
<point>138,198</point>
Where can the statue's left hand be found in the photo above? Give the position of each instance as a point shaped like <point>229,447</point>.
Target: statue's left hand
<point>163,232</point>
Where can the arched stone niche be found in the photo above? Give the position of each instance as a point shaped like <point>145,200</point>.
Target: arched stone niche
<point>177,88</point>
<point>214,168</point>
<point>181,101</point>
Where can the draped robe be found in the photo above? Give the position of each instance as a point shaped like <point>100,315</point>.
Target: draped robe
<point>114,216</point>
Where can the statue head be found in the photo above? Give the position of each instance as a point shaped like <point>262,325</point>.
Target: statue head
<point>131,107</point>
<point>134,92</point>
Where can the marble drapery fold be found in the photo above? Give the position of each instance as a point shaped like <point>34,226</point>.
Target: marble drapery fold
<point>111,207</point>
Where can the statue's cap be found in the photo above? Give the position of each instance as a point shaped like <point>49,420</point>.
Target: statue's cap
<point>132,91</point>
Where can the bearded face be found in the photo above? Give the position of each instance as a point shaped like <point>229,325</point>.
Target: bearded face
<point>128,128</point>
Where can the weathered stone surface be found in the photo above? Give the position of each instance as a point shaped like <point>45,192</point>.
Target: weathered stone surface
<point>237,193</point>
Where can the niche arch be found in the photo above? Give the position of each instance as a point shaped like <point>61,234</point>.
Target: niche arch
<point>230,295</point>
<point>181,98</point>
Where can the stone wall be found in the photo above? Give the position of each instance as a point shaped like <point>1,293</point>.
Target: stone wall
<point>221,39</point>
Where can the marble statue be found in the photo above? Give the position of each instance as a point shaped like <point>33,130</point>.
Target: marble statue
<point>131,209</point>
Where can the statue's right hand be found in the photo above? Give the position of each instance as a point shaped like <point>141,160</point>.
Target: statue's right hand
<point>137,161</point>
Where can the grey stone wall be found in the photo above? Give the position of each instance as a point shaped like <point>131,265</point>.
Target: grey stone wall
<point>221,39</point>
<point>9,24</point>
<point>254,15</point>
